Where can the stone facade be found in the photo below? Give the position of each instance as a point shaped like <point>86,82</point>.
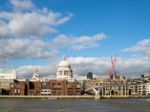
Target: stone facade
<point>111,87</point>
<point>64,70</point>
<point>8,75</point>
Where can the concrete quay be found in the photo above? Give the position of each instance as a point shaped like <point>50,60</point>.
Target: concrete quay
<point>125,96</point>
<point>96,97</point>
<point>46,97</point>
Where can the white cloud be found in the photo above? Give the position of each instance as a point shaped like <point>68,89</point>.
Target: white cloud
<point>99,66</point>
<point>79,42</point>
<point>62,41</point>
<point>88,41</point>
<point>20,26</point>
<point>24,48</point>
<point>22,4</point>
<point>39,22</point>
<point>4,30</point>
<point>33,48</point>
<point>142,47</point>
<point>47,71</point>
<point>64,19</point>
<point>36,22</point>
<point>28,24</point>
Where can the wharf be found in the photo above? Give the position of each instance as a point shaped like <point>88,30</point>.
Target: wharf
<point>46,97</point>
<point>71,97</point>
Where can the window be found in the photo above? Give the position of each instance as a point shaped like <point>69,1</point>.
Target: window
<point>12,86</point>
<point>15,91</point>
<point>19,91</point>
<point>60,72</point>
<point>65,72</point>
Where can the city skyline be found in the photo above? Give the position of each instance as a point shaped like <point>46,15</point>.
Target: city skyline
<point>38,33</point>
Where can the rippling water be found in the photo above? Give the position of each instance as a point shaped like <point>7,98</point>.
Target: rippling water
<point>74,105</point>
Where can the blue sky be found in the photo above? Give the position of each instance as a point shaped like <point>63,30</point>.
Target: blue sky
<point>123,21</point>
<point>40,32</point>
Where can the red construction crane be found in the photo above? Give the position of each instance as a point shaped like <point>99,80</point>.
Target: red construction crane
<point>112,72</point>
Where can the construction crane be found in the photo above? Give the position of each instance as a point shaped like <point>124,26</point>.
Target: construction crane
<point>112,71</point>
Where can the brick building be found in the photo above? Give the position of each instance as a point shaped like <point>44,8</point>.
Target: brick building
<point>19,87</point>
<point>34,88</point>
<point>49,87</point>
<point>25,87</point>
<point>63,87</point>
<point>72,88</point>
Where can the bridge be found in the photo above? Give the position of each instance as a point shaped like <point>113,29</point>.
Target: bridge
<point>96,90</point>
<point>107,90</point>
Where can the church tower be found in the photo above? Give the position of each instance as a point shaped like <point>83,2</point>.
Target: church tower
<point>36,74</point>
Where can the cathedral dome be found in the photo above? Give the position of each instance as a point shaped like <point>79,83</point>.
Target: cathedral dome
<point>64,70</point>
<point>64,63</point>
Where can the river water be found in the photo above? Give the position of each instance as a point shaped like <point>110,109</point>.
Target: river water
<point>74,105</point>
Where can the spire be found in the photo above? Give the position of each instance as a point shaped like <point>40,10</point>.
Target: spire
<point>64,57</point>
<point>35,73</point>
<point>36,70</point>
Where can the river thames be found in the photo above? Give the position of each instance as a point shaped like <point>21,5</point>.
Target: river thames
<point>74,105</point>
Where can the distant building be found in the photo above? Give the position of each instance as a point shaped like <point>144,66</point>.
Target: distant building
<point>62,85</point>
<point>147,86</point>
<point>64,70</point>
<point>89,75</point>
<point>8,75</point>
<point>141,89</point>
<point>36,74</point>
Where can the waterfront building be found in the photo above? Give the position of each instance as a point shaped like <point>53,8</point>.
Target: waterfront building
<point>5,80</point>
<point>34,88</point>
<point>147,86</point>
<point>64,70</point>
<point>109,87</point>
<point>49,87</point>
<point>5,83</point>
<point>19,87</point>
<point>25,87</point>
<point>63,87</point>
<point>45,87</point>
<point>121,86</point>
<point>141,89</point>
<point>64,84</point>
<point>5,86</point>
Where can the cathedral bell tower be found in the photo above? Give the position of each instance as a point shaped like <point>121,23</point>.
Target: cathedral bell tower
<point>36,74</point>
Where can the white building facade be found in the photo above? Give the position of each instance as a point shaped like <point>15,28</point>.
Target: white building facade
<point>8,75</point>
<point>147,86</point>
<point>141,89</point>
<point>64,70</point>
<point>35,76</point>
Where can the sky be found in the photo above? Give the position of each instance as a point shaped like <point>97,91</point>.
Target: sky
<point>39,32</point>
